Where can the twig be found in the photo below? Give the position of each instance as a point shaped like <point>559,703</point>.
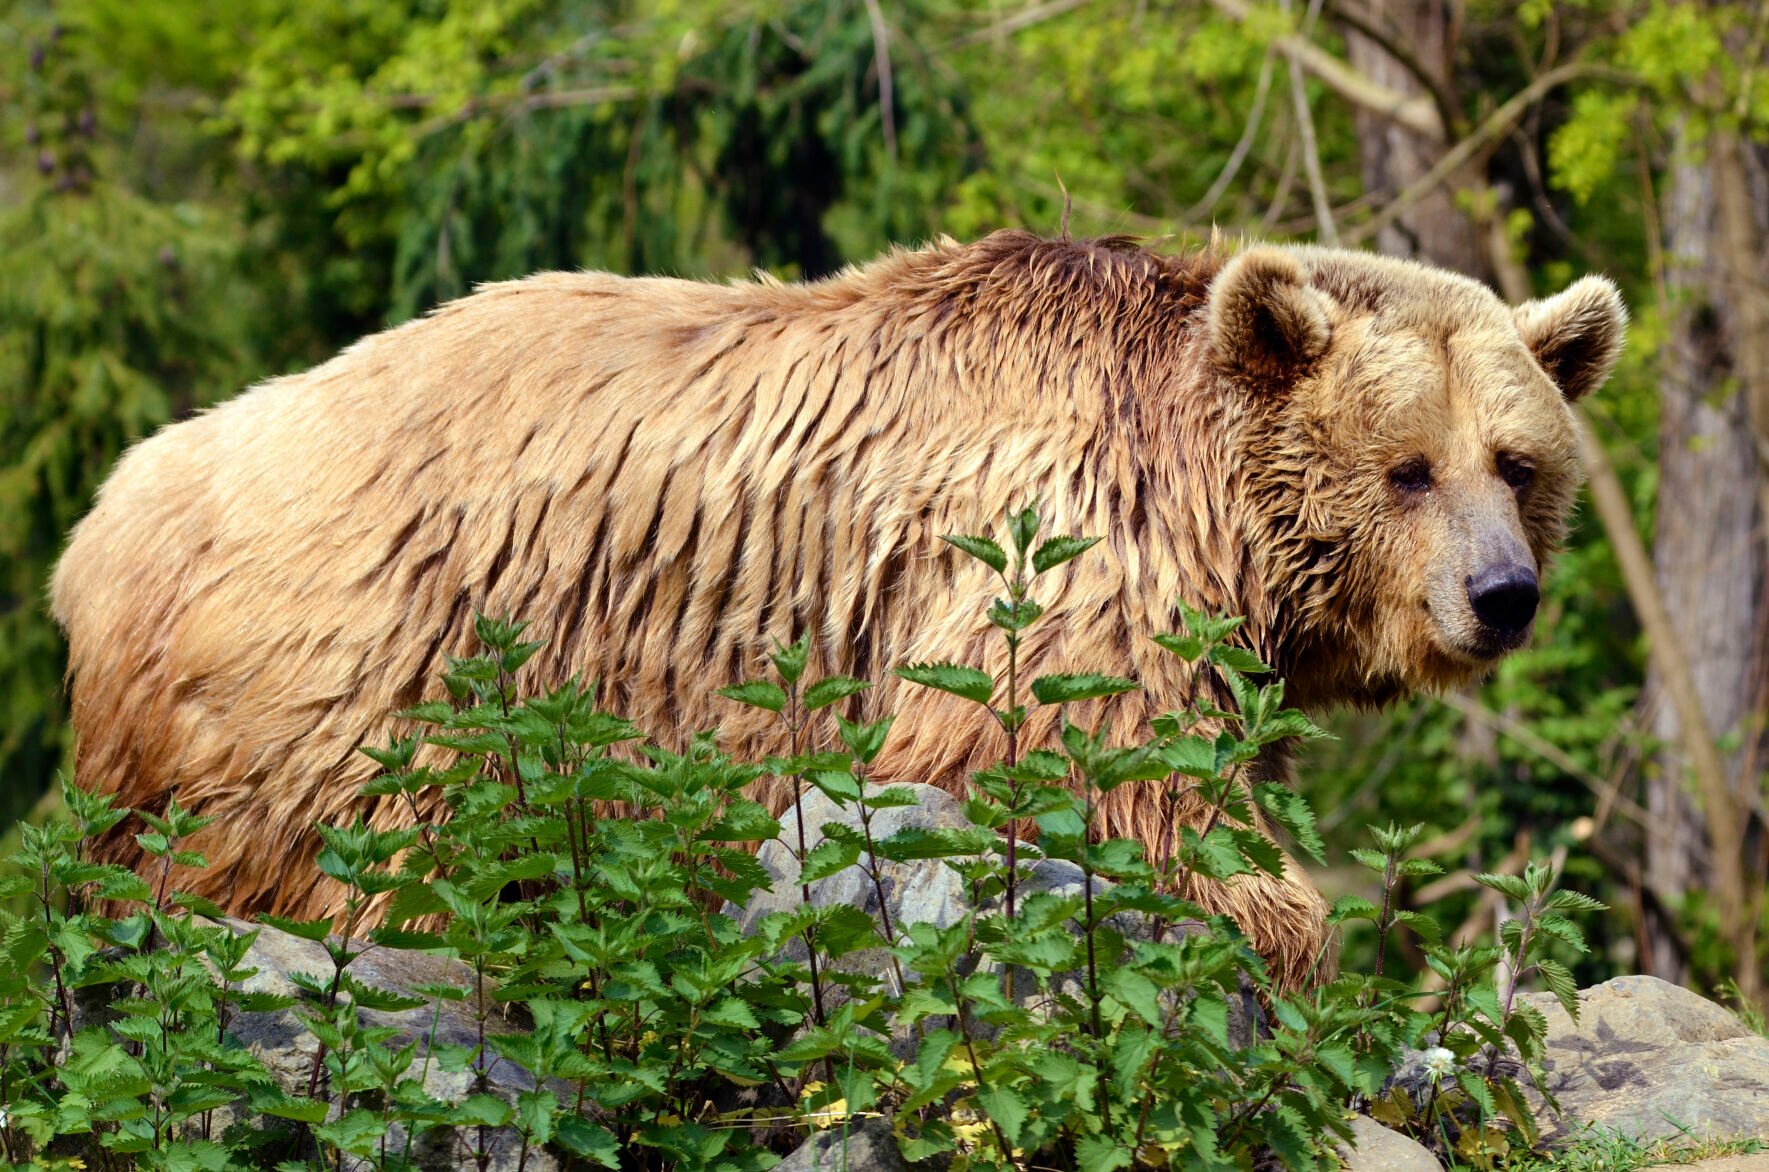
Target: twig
<point>1239,155</point>
<point>1495,126</point>
<point>1023,19</point>
<point>1281,197</point>
<point>881,55</point>
<point>1137,222</point>
<point>1325,230</point>
<point>1414,112</point>
<point>1655,240</point>
<point>1361,23</point>
<point>1549,752</point>
<point>518,104</point>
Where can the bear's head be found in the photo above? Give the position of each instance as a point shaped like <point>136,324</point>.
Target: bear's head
<point>1409,458</point>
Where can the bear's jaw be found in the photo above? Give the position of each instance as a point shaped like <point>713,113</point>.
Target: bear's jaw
<point>1419,657</point>
<point>1445,665</point>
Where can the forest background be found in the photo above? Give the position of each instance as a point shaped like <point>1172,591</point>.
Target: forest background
<point>196,196</point>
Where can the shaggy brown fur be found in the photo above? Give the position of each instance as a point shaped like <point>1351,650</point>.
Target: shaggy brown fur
<point>662,475</point>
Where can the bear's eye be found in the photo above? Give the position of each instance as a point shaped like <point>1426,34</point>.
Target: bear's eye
<point>1411,475</point>
<point>1515,470</point>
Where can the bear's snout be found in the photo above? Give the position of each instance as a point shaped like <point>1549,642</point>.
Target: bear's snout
<point>1504,598</point>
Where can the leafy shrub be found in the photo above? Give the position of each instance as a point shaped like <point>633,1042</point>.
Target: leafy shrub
<point>1113,1025</point>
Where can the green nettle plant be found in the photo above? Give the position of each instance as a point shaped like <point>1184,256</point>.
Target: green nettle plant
<point>147,1083</point>
<point>1079,1011</point>
<point>1086,1025</point>
<point>1459,1092</point>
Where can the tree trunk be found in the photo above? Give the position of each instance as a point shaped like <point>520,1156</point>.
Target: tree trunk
<point>1709,550</point>
<point>1394,157</point>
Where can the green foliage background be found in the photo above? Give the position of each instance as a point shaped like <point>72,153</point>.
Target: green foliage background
<point>196,196</point>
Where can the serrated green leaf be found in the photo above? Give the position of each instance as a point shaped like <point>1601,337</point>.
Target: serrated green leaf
<point>1238,658</point>
<point>283,1106</point>
<point>1560,982</point>
<point>1477,1091</point>
<point>838,784</point>
<point>1006,1109</point>
<point>1192,755</point>
<point>488,1110</point>
<point>954,678</point>
<point>763,694</point>
<point>1563,929</point>
<point>1097,1153</point>
<point>827,858</point>
<point>828,691</point>
<point>789,659</point>
<point>981,548</point>
<point>1187,647</point>
<point>1351,907</point>
<point>1014,616</point>
<point>1058,550</point>
<point>587,1140</point>
<point>1423,925</point>
<point>1067,689</point>
<point>730,1011</point>
<point>1574,901</point>
<point>1509,885</point>
<point>1292,812</point>
<point>864,740</point>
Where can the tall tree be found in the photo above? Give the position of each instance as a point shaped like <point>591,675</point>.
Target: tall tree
<point>1710,555</point>
<point>1410,48</point>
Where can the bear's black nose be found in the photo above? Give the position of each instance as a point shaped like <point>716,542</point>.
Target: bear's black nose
<point>1504,598</point>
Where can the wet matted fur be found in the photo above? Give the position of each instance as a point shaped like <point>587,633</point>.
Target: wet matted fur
<point>663,475</point>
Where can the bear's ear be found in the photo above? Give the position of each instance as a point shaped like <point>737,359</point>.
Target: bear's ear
<point>1576,334</point>
<point>1263,319</point>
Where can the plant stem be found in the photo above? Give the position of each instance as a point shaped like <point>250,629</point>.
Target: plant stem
<point>872,867</point>
<point>795,724</point>
<point>1216,812</point>
<point>63,999</point>
<point>1017,591</point>
<point>1382,921</point>
<point>1091,930</point>
<point>1514,978</point>
<point>976,1067</point>
<point>481,1072</point>
<point>574,819</point>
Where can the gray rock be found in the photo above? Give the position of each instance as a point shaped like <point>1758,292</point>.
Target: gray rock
<point>920,891</point>
<point>286,1048</point>
<point>927,891</point>
<point>1650,1060</point>
<point>284,1045</point>
<point>862,1147</point>
<point>1377,1149</point>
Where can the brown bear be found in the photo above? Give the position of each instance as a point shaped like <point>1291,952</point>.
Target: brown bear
<point>1369,459</point>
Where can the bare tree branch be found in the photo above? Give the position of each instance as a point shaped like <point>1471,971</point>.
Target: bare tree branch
<point>1281,197</point>
<point>1326,231</point>
<point>881,53</point>
<point>1416,113</point>
<point>1025,18</point>
<point>1239,155</point>
<point>1495,126</point>
<point>1360,22</point>
<point>1549,752</point>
